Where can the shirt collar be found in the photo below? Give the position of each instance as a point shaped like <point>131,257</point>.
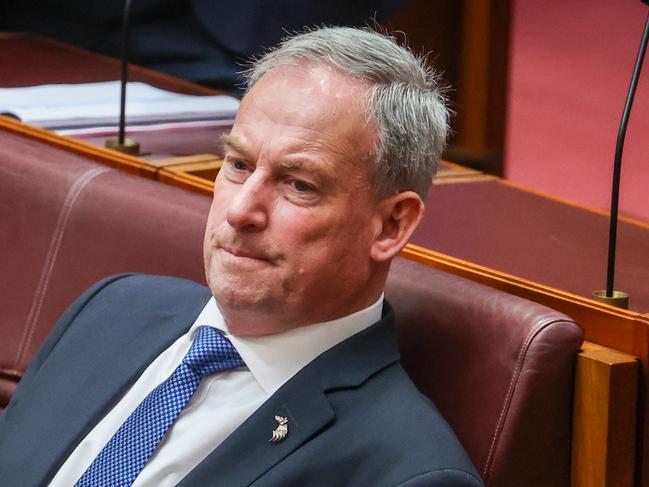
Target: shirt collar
<point>274,359</point>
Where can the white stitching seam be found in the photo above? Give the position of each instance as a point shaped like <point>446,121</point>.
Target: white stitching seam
<point>52,252</point>
<point>509,396</point>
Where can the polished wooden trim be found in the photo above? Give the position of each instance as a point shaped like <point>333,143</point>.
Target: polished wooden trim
<point>586,311</point>
<point>482,83</point>
<point>108,157</point>
<point>466,178</point>
<point>187,161</point>
<point>186,181</point>
<point>604,418</point>
<point>459,167</point>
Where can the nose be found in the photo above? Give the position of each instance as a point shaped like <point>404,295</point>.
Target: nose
<point>248,209</point>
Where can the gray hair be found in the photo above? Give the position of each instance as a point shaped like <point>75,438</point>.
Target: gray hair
<point>405,99</point>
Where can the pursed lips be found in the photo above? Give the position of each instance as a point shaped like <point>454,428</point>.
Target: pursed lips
<point>238,252</point>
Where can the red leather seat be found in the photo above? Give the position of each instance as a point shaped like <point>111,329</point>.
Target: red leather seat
<point>67,222</point>
<point>499,368</point>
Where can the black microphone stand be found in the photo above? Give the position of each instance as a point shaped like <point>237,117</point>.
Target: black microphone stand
<point>620,298</point>
<point>122,144</point>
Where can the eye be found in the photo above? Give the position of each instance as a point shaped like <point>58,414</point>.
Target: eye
<point>239,165</point>
<point>235,170</point>
<point>301,186</point>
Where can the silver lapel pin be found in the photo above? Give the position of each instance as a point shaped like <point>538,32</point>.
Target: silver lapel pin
<point>281,431</point>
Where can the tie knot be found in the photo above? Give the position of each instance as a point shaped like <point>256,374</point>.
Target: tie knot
<point>212,352</point>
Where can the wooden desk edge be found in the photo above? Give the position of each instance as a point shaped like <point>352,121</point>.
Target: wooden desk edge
<point>186,181</point>
<point>109,157</point>
<point>517,285</point>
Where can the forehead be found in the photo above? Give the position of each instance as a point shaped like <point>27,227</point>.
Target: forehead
<point>308,108</point>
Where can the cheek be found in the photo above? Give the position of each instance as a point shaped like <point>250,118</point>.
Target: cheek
<point>335,233</point>
<point>331,250</point>
<point>304,236</point>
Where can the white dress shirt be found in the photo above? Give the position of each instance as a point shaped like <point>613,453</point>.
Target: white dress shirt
<point>222,401</point>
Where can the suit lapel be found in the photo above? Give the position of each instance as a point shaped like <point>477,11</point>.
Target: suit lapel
<point>248,453</point>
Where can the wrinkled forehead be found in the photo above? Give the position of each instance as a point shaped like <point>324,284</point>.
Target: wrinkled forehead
<point>314,83</point>
<point>316,100</point>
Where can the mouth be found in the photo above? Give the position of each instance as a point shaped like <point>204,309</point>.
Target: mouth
<point>245,254</point>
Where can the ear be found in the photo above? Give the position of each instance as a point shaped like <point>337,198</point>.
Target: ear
<point>399,216</point>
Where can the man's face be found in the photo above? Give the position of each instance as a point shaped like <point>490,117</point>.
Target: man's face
<point>294,215</point>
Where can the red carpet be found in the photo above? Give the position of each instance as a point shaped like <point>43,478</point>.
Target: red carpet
<point>570,70</point>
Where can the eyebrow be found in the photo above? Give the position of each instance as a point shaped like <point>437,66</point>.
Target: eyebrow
<point>232,142</point>
<point>322,176</point>
<point>297,165</point>
<point>317,172</point>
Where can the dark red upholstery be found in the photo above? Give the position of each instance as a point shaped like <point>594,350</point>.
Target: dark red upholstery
<point>498,367</point>
<point>67,222</point>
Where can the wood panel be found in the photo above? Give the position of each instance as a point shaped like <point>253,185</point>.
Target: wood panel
<point>186,181</point>
<point>108,157</point>
<point>604,418</point>
<point>204,166</point>
<point>482,85</point>
<point>468,41</point>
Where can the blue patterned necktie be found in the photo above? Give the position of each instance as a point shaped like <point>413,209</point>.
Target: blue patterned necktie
<point>124,456</point>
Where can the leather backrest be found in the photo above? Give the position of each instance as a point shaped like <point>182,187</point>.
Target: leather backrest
<point>67,222</point>
<point>499,368</point>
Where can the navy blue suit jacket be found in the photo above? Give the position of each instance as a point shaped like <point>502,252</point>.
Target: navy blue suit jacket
<point>355,417</point>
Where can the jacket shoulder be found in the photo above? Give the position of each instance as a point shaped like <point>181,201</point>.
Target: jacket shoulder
<point>385,433</point>
<point>132,287</point>
<point>408,431</point>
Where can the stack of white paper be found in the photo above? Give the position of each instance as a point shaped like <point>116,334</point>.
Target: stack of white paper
<point>97,104</point>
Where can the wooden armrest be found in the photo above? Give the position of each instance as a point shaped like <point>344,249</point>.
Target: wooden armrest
<point>604,418</point>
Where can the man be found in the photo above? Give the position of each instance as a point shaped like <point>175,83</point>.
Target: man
<point>325,170</point>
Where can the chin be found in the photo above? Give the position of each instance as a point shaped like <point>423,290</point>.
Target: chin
<point>241,298</point>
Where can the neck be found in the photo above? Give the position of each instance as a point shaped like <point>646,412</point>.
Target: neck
<point>247,322</point>
<point>270,318</point>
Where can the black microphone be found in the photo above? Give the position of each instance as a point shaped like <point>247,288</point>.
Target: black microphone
<point>620,298</point>
<point>123,144</point>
